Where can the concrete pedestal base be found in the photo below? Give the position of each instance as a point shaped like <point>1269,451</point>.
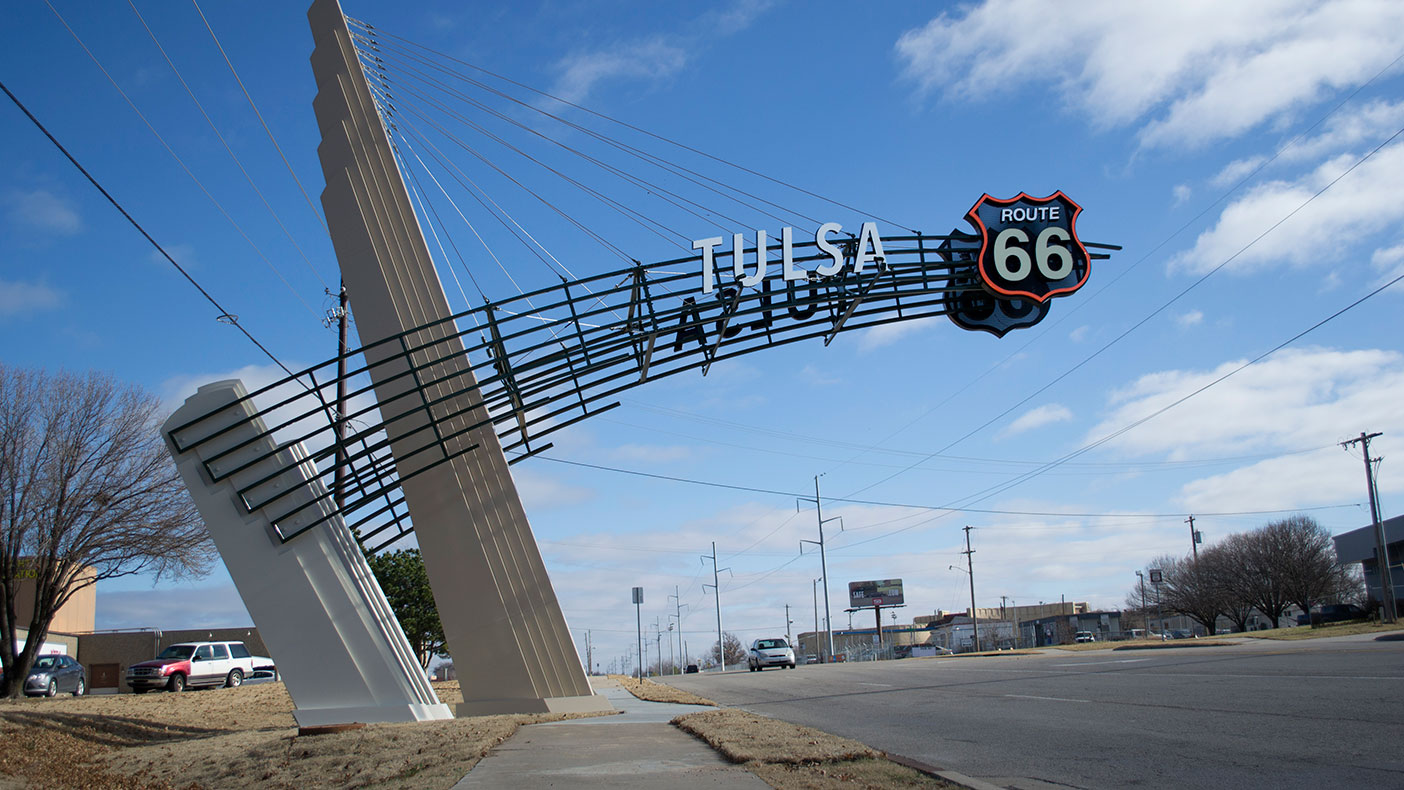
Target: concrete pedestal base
<point>589,703</point>
<point>322,717</point>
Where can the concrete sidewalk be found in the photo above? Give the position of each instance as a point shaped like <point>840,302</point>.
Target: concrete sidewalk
<point>635,749</point>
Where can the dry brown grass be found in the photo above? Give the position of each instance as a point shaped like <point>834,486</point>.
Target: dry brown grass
<point>792,757</point>
<point>649,691</point>
<point>231,738</point>
<point>1322,631</point>
<point>742,737</point>
<point>853,775</point>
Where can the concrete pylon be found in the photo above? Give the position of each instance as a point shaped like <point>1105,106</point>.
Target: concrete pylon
<point>315,600</point>
<point>503,624</point>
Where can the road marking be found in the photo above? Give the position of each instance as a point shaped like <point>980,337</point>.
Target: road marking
<point>1052,699</point>
<point>1095,663</point>
<point>882,685</point>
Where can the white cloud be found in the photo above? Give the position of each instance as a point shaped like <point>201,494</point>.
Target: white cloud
<point>1037,418</point>
<point>540,491</point>
<point>1363,202</point>
<point>655,59</point>
<point>20,298</point>
<point>1295,399</point>
<point>876,337</point>
<point>1189,72</point>
<point>1192,318</point>
<point>1180,194</point>
<point>1234,171</point>
<point>1390,262</point>
<point>1080,334</point>
<point>42,210</point>
<point>172,607</point>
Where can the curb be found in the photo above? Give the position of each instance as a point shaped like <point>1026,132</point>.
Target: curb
<point>969,782</point>
<point>1188,644</point>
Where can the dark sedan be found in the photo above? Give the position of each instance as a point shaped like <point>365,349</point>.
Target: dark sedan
<point>52,674</point>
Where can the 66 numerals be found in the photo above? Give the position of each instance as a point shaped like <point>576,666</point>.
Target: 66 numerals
<point>1014,258</point>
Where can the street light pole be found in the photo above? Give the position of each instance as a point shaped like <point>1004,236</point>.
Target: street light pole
<point>1141,583</point>
<point>638,621</point>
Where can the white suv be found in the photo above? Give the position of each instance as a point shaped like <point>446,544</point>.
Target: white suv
<point>770,653</point>
<point>191,664</point>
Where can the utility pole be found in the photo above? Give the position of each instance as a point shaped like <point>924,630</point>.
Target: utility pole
<point>823,570</point>
<point>970,569</point>
<point>677,605</point>
<point>638,620</point>
<point>340,315</point>
<point>1194,537</point>
<point>721,644</point>
<point>789,640</point>
<point>1381,543</point>
<point>658,644</point>
<point>814,588</point>
<point>589,656</point>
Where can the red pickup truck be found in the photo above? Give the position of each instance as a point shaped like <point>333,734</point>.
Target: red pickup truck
<point>195,664</point>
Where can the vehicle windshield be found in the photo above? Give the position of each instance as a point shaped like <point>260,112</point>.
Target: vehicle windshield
<point>767,644</point>
<point>178,651</point>
<point>45,662</point>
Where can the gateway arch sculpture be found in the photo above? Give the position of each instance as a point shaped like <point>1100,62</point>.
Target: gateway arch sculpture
<point>431,454</point>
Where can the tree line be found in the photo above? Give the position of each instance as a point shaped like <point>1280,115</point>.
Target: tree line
<point>1267,570</point>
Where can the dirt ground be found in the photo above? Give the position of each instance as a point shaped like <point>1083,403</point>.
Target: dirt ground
<point>230,738</point>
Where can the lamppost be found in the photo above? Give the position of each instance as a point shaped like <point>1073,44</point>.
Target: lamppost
<point>1141,583</point>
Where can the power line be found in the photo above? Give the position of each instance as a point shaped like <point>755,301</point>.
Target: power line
<point>919,506</point>
<point>224,314</point>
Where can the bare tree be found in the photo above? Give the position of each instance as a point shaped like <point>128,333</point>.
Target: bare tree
<point>735,652</point>
<point>87,492</point>
<point>1217,564</point>
<point>1307,560</point>
<point>1192,590</point>
<point>1254,576</point>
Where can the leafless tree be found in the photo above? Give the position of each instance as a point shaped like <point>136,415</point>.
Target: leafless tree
<point>1191,589</point>
<point>1308,561</point>
<point>735,651</point>
<point>87,493</point>
<point>1253,574</point>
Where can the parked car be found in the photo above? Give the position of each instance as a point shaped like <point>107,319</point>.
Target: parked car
<point>770,653</point>
<point>196,664</point>
<point>811,659</point>
<point>1182,633</point>
<point>1084,636</point>
<point>52,674</point>
<point>691,669</point>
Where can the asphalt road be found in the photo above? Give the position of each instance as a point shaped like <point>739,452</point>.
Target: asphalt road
<point>1312,714</point>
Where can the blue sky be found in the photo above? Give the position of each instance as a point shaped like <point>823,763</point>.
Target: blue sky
<point>1245,150</point>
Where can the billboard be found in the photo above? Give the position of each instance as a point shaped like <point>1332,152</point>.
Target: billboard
<point>886,592</point>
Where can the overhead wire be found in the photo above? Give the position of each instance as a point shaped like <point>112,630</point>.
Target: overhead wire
<point>651,159</point>
<point>266,129</point>
<point>239,228</point>
<point>224,313</point>
<point>653,188</point>
<point>247,177</point>
<point>1157,311</point>
<point>1081,304</point>
<point>637,129</point>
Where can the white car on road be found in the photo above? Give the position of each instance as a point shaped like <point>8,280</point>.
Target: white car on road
<point>770,653</point>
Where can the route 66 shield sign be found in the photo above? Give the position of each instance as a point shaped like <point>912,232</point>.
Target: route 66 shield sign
<point>1029,247</point>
